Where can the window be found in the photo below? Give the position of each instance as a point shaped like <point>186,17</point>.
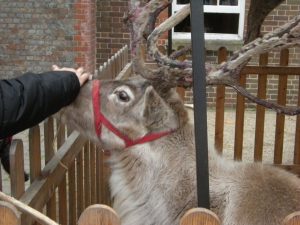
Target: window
<point>223,19</point>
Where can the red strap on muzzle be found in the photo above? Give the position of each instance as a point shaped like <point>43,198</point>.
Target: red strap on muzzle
<point>100,119</point>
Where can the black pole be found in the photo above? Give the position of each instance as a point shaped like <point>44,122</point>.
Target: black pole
<point>199,92</point>
<point>170,32</point>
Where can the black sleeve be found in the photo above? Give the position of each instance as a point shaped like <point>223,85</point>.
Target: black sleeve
<point>29,99</point>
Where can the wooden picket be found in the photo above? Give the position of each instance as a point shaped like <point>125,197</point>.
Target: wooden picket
<point>49,153</point>
<point>260,111</point>
<point>104,215</point>
<point>99,215</point>
<point>281,100</point>
<point>9,215</point>
<point>292,219</point>
<point>239,122</point>
<point>220,101</point>
<point>114,65</point>
<point>17,169</point>
<point>297,136</point>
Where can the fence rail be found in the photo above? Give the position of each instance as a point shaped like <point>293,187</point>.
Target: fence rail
<point>73,184</point>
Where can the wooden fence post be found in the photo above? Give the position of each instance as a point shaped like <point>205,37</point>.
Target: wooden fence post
<point>281,100</point>
<point>1,187</point>
<point>62,188</point>
<point>99,215</point>
<point>297,132</point>
<point>9,215</point>
<point>35,152</point>
<point>292,219</point>
<point>49,153</point>
<point>93,173</point>
<point>220,104</point>
<point>260,110</point>
<point>239,122</point>
<point>16,157</point>
<point>80,183</point>
<point>200,216</point>
<point>72,193</point>
<point>87,174</point>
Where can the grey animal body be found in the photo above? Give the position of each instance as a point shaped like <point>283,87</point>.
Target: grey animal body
<point>155,183</point>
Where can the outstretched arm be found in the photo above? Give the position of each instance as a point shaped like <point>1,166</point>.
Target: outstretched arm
<point>27,100</point>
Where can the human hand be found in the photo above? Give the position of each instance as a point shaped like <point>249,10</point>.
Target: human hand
<point>80,73</point>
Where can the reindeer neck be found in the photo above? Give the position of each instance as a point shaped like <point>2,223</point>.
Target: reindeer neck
<point>159,152</point>
<point>144,175</point>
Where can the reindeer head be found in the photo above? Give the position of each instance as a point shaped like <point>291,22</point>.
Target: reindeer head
<point>135,109</point>
<point>117,114</point>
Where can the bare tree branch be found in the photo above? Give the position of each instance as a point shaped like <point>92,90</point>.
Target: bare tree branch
<point>181,52</point>
<point>283,37</point>
<point>258,11</point>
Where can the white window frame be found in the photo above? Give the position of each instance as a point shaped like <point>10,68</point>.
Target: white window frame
<point>239,9</point>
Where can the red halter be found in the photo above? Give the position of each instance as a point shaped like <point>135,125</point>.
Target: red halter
<point>100,119</point>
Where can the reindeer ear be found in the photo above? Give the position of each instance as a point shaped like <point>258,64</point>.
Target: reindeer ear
<point>156,112</point>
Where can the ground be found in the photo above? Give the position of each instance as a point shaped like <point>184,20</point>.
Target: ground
<point>249,134</point>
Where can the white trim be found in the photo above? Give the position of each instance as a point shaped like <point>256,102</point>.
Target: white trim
<point>239,9</point>
<point>210,36</point>
<point>242,18</point>
<point>221,9</point>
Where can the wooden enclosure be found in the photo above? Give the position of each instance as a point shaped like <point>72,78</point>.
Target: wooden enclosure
<point>73,185</point>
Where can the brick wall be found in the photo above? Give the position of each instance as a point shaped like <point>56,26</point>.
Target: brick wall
<point>112,33</point>
<point>37,34</point>
<point>84,45</point>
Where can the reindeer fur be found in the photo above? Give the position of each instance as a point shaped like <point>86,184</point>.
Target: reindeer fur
<point>155,183</point>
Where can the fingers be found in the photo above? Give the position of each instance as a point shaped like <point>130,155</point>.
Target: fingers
<point>83,78</point>
<point>80,73</point>
<point>80,70</point>
<point>55,67</point>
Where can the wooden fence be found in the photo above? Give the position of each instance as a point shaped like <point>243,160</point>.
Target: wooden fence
<point>74,176</point>
<point>73,184</point>
<point>263,71</point>
<point>104,215</point>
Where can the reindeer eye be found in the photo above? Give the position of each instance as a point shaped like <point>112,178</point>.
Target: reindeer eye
<point>123,96</point>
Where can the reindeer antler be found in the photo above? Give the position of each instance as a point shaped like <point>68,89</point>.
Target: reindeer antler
<point>140,21</point>
<point>177,73</point>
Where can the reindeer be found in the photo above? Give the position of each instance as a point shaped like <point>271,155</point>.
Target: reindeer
<point>144,124</point>
<point>155,182</point>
